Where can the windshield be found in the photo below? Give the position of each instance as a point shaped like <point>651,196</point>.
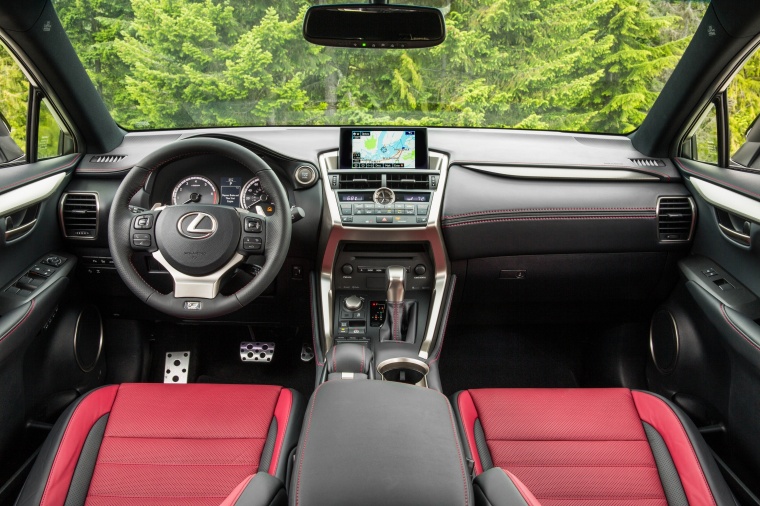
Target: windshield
<point>574,65</point>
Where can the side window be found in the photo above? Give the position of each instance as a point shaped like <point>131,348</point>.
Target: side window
<point>14,108</point>
<point>50,138</point>
<point>702,143</point>
<point>30,128</point>
<point>743,95</point>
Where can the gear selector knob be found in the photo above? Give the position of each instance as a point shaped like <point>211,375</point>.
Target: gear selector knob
<point>396,277</point>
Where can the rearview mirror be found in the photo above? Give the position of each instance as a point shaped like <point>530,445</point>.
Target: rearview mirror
<point>379,26</point>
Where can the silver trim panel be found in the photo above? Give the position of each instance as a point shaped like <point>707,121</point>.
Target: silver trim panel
<point>429,232</point>
<point>728,200</point>
<point>30,194</point>
<point>201,287</point>
<point>562,173</point>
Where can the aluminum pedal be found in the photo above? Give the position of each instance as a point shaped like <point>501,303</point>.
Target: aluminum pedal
<point>176,366</point>
<point>256,351</point>
<point>306,353</point>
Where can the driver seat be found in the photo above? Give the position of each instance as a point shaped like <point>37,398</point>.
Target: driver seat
<point>159,444</point>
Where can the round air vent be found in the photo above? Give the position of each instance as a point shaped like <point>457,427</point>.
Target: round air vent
<point>664,341</point>
<point>88,338</point>
<point>306,174</point>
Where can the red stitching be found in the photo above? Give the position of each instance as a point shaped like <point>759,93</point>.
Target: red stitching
<point>736,329</point>
<point>26,315</point>
<point>550,209</point>
<point>305,443</point>
<point>724,183</point>
<point>553,218</point>
<point>43,174</point>
<point>446,321</point>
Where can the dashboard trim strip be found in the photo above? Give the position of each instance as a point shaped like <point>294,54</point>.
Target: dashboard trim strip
<point>533,172</point>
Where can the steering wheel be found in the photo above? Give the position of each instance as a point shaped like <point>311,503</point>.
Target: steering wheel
<point>198,244</point>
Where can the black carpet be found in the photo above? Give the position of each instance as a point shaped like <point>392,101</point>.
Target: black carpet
<point>499,357</point>
<point>215,355</point>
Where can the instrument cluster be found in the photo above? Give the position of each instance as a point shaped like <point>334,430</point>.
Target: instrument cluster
<point>227,191</point>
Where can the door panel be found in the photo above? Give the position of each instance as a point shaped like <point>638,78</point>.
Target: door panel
<point>29,231</point>
<point>716,314</point>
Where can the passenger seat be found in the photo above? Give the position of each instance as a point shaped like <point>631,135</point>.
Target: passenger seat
<point>590,447</point>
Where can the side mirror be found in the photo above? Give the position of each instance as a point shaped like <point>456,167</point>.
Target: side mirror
<point>378,26</point>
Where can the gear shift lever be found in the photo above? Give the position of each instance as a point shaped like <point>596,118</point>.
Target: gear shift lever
<point>395,275</point>
<point>400,322</point>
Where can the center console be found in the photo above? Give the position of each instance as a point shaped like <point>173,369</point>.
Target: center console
<point>384,272</point>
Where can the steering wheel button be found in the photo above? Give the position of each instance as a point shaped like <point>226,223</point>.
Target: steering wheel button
<point>144,222</point>
<point>253,225</point>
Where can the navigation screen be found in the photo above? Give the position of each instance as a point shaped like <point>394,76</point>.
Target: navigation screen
<point>383,149</point>
<point>377,149</point>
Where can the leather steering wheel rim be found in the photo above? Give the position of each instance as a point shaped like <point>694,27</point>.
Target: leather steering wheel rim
<point>278,228</point>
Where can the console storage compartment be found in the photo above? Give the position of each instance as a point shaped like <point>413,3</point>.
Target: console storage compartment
<point>368,439</point>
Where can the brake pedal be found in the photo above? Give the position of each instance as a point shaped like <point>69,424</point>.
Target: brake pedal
<point>256,351</point>
<point>176,366</point>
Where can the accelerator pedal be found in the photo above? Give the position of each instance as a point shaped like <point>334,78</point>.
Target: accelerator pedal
<point>256,352</point>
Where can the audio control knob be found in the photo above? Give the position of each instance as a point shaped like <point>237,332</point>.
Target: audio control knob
<point>420,270</point>
<point>347,269</point>
<point>353,303</point>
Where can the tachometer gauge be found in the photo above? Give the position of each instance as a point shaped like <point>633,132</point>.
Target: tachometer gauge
<point>195,190</point>
<point>254,198</point>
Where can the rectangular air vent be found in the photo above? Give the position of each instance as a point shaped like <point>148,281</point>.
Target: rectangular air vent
<point>675,218</point>
<point>407,181</point>
<point>360,181</point>
<point>79,215</point>
<point>107,158</point>
<point>648,162</point>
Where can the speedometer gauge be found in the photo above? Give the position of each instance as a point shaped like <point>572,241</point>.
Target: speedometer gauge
<point>195,190</point>
<point>254,198</point>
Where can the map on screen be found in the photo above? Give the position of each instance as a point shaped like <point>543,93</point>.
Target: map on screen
<point>374,149</point>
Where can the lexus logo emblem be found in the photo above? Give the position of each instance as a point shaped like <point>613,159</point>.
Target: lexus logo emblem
<point>197,225</point>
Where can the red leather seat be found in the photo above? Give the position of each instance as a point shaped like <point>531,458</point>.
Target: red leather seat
<point>156,444</point>
<point>591,447</point>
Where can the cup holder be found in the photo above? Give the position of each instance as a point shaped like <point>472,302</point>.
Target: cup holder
<point>404,370</point>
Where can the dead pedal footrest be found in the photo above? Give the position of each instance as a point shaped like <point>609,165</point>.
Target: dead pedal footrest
<point>176,366</point>
<point>256,351</point>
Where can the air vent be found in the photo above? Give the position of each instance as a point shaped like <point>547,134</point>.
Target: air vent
<point>407,181</point>
<point>675,218</point>
<point>79,215</point>
<point>107,158</point>
<point>360,181</point>
<point>648,162</point>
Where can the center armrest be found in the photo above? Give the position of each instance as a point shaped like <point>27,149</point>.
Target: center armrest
<point>365,440</point>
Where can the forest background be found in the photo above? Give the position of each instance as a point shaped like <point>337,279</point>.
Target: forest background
<point>572,65</point>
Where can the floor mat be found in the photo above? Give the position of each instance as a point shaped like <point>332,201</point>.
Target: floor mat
<point>215,355</point>
<point>493,357</point>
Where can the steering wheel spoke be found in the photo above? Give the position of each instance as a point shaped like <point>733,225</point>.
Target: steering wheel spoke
<point>198,287</point>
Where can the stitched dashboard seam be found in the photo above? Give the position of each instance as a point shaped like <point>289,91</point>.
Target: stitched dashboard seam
<point>42,174</point>
<point>549,209</point>
<point>547,218</point>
